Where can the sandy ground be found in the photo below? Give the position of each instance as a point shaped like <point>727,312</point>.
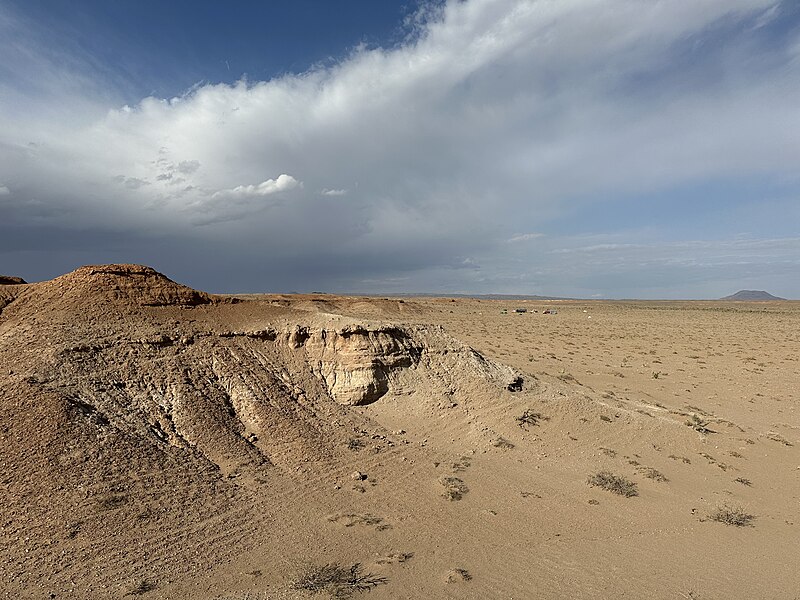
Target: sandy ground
<point>693,402</point>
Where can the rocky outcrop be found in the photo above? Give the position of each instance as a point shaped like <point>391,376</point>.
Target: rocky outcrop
<point>359,364</point>
<point>356,363</point>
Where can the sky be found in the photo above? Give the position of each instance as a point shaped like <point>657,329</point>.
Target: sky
<point>580,148</point>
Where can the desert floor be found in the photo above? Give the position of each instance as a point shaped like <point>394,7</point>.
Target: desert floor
<point>696,403</point>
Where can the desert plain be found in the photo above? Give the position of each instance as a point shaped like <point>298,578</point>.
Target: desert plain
<point>160,442</point>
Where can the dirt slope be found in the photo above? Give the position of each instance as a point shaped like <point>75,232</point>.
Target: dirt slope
<point>160,442</point>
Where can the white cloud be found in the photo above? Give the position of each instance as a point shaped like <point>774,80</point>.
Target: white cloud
<point>4,191</point>
<point>283,183</point>
<point>327,192</point>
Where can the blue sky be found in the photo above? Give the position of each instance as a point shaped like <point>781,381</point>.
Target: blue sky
<point>578,148</point>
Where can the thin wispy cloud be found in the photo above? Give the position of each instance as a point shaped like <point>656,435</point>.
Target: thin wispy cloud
<point>524,237</point>
<point>327,192</point>
<point>493,129</point>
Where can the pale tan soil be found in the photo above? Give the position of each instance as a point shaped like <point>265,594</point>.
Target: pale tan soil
<point>149,433</point>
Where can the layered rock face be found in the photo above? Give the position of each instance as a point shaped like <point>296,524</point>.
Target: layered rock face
<point>356,363</point>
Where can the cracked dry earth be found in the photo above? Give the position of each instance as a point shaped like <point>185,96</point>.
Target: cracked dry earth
<point>160,442</point>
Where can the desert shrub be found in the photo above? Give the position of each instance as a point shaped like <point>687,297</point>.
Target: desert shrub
<point>614,483</point>
<point>683,459</point>
<point>743,481</point>
<point>732,515</point>
<point>337,580</point>
<point>530,418</point>
<point>653,474</point>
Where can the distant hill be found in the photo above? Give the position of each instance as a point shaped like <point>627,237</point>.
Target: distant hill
<point>751,295</point>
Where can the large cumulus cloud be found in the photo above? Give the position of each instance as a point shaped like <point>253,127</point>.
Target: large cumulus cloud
<point>416,164</point>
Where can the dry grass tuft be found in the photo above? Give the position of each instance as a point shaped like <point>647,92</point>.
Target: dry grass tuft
<point>653,474</point>
<point>530,418</point>
<point>615,484</point>
<point>336,580</point>
<point>732,515</point>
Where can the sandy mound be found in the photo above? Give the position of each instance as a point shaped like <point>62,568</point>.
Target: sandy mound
<point>127,284</point>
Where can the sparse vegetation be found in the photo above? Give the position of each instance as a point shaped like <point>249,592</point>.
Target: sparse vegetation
<point>732,515</point>
<point>530,418</point>
<point>744,481</point>
<point>653,474</point>
<point>454,488</point>
<point>337,580</point>
<point>615,484</point>
<point>683,459</point>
